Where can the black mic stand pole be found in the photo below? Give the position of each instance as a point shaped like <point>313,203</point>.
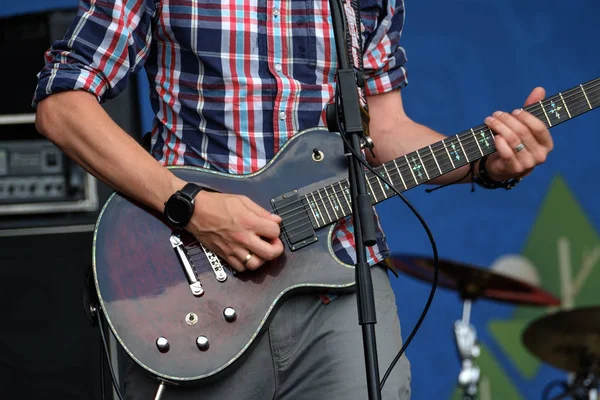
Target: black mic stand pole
<point>345,113</point>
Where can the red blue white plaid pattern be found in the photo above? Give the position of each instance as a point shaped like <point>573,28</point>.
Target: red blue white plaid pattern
<point>231,80</point>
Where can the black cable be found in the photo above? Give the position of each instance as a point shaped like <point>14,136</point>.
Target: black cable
<point>435,259</point>
<point>107,355</point>
<point>102,357</point>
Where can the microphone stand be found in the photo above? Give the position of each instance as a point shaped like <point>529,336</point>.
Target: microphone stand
<point>345,113</point>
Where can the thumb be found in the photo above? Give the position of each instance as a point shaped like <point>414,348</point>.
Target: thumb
<point>536,95</point>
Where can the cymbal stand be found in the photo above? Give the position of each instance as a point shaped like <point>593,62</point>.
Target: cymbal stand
<point>468,350</point>
<point>583,387</point>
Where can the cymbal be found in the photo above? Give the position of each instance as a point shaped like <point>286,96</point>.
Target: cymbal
<point>474,282</point>
<point>569,340</point>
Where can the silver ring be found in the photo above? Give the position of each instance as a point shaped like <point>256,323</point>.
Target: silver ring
<point>520,147</point>
<point>248,257</point>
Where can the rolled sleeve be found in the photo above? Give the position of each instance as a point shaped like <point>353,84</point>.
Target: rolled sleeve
<point>384,58</point>
<point>106,43</point>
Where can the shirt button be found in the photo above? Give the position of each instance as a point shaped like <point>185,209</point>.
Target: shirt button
<point>282,115</point>
<point>276,11</point>
<point>277,67</point>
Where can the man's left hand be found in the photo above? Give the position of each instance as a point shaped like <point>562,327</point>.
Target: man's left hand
<point>522,141</point>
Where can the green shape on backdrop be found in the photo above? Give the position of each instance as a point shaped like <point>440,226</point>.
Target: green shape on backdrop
<point>561,242</point>
<point>508,334</point>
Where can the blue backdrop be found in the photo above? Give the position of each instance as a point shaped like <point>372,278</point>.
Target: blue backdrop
<point>467,59</point>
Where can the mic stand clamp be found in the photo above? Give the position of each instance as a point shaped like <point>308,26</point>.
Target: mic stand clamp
<point>468,350</point>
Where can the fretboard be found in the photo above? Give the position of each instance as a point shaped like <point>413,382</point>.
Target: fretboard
<point>330,203</point>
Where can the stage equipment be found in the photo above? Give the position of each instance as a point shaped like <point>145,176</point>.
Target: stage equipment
<point>472,283</point>
<point>569,340</point>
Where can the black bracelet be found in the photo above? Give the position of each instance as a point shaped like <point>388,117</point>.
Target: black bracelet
<point>483,179</point>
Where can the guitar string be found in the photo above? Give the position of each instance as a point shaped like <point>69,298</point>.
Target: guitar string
<point>538,110</point>
<point>469,148</point>
<point>591,96</point>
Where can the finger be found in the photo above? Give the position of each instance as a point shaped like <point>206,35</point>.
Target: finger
<point>515,126</point>
<point>267,229</point>
<point>536,95</point>
<point>537,128</point>
<point>261,212</point>
<point>264,249</point>
<point>507,154</point>
<point>248,259</point>
<point>513,139</point>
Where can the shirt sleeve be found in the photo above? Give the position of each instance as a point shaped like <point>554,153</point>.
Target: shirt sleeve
<point>384,58</point>
<point>106,43</point>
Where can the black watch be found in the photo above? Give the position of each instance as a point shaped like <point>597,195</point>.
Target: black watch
<point>180,206</point>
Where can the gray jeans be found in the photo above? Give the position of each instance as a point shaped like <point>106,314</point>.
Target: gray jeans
<point>311,350</point>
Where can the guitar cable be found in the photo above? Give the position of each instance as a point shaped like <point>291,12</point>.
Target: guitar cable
<point>433,248</point>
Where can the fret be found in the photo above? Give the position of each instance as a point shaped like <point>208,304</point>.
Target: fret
<point>436,161</point>
<point>586,98</point>
<point>388,177</point>
<point>370,188</point>
<point>455,149</point>
<point>486,138</point>
<point>338,203</point>
<point>311,209</point>
<point>324,207</point>
<point>544,110</point>
<point>461,146</point>
<point>476,141</point>
<point>400,173</point>
<point>381,186</point>
<point>424,166</point>
<point>577,102</point>
<point>333,206</point>
<point>553,111</point>
<point>319,212</point>
<point>565,104</point>
<point>592,91</point>
<point>442,157</point>
<point>411,168</point>
<point>448,152</point>
<point>345,196</point>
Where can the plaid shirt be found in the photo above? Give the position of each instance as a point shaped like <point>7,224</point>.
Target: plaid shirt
<point>231,80</point>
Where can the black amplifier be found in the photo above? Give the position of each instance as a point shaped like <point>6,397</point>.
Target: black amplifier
<point>36,177</point>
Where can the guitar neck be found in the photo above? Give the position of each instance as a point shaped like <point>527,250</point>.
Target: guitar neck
<point>328,204</point>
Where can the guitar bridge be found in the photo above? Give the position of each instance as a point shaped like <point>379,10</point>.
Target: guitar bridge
<point>296,225</point>
<point>195,285</point>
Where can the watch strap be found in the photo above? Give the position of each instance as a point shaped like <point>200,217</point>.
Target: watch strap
<point>190,190</point>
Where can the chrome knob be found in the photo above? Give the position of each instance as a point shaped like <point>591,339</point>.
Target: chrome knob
<point>202,343</point>
<point>229,314</point>
<point>162,344</point>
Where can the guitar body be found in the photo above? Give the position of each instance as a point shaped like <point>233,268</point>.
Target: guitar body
<point>144,292</point>
<point>146,287</point>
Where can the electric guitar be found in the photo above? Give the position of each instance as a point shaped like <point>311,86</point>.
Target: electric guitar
<point>179,311</point>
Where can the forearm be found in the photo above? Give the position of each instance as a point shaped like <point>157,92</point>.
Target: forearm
<point>406,136</point>
<point>79,126</point>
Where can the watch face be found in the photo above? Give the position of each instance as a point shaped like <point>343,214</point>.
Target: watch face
<point>179,210</point>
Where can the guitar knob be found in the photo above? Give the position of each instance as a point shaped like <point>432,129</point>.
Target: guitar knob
<point>229,314</point>
<point>202,343</point>
<point>162,344</point>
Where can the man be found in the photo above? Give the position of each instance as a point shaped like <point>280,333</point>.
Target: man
<point>231,82</point>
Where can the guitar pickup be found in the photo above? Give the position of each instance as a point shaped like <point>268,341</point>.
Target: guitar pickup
<point>296,225</point>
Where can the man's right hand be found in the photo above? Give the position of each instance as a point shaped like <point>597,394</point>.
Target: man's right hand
<point>233,226</point>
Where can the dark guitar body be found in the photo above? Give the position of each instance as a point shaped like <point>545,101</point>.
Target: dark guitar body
<point>144,293</point>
